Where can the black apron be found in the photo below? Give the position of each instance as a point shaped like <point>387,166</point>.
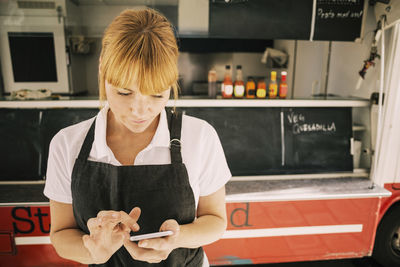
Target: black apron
<point>161,192</point>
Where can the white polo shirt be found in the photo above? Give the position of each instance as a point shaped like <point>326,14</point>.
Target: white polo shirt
<point>202,154</point>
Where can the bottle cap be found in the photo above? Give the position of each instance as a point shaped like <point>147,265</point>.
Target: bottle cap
<point>212,75</point>
<point>283,76</point>
<point>239,67</point>
<point>227,67</point>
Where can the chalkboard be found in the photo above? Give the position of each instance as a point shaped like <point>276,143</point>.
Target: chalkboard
<point>264,141</point>
<point>20,146</point>
<point>272,19</point>
<point>248,135</point>
<point>338,20</point>
<point>256,141</point>
<point>25,135</point>
<point>316,139</point>
<point>213,45</point>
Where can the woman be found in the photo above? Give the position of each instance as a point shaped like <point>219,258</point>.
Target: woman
<point>135,168</point>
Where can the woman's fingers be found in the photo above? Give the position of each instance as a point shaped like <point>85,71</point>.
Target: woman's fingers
<point>119,224</point>
<point>135,213</point>
<point>132,248</point>
<point>131,219</point>
<point>106,216</point>
<point>154,243</point>
<point>156,249</point>
<point>171,225</point>
<point>93,225</point>
<point>143,254</point>
<point>163,243</point>
<point>108,231</point>
<point>110,218</point>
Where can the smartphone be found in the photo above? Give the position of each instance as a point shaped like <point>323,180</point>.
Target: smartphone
<point>150,235</point>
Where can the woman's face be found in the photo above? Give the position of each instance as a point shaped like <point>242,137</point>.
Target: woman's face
<point>134,110</point>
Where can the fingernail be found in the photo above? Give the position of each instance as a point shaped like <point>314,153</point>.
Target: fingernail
<point>143,243</point>
<point>115,215</point>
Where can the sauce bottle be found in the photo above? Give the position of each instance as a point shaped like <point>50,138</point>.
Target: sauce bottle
<point>273,86</point>
<point>238,89</point>
<point>261,89</point>
<point>212,83</point>
<point>227,86</point>
<point>250,88</point>
<point>283,85</point>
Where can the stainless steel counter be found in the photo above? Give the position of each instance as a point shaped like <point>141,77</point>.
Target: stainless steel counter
<point>303,189</point>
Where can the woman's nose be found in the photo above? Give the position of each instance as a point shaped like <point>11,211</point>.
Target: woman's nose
<point>139,106</point>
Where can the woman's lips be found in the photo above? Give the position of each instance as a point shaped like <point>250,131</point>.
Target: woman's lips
<point>138,121</point>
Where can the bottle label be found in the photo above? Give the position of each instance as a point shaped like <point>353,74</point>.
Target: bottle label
<point>261,93</point>
<point>273,90</point>
<point>228,89</point>
<point>251,92</point>
<point>239,90</point>
<point>283,90</point>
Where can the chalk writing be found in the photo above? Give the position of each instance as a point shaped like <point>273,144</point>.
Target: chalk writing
<point>339,2</point>
<point>314,127</point>
<point>299,124</point>
<point>329,14</point>
<point>295,118</point>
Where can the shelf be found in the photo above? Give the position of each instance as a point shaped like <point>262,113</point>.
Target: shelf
<point>237,103</point>
<point>267,103</point>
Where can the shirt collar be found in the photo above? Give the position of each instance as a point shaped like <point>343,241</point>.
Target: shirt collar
<point>161,137</point>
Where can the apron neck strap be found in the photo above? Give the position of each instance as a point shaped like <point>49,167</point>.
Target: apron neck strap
<point>87,144</point>
<point>175,125</point>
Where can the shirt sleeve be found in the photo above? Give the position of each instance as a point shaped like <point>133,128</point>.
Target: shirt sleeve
<point>215,171</point>
<point>58,175</point>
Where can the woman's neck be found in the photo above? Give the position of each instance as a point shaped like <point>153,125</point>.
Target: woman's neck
<point>117,129</point>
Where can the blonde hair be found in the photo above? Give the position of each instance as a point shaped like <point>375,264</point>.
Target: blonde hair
<point>139,45</point>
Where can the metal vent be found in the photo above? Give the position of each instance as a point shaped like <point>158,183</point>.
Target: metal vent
<point>36,4</point>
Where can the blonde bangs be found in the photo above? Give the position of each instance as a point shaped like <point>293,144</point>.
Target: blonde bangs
<point>139,46</point>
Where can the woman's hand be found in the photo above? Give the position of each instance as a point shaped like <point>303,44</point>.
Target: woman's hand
<point>108,231</point>
<point>156,249</point>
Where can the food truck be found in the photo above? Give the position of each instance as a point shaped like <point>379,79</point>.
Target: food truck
<point>314,178</point>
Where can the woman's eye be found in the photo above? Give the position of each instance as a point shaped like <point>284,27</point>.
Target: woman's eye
<point>124,94</point>
<point>157,96</point>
